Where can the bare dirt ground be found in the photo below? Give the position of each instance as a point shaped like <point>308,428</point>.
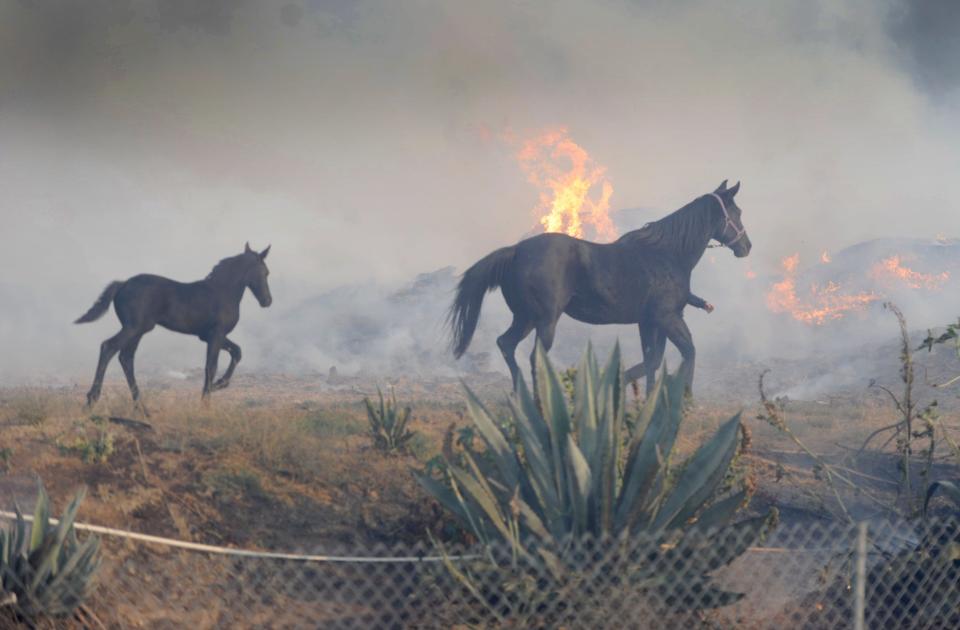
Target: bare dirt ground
<point>284,463</point>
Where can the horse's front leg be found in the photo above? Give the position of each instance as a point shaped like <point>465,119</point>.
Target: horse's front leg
<point>653,342</point>
<point>214,345</point>
<point>679,335</point>
<point>235,355</point>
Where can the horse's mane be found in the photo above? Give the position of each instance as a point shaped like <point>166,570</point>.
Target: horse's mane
<point>681,230</point>
<point>228,267</point>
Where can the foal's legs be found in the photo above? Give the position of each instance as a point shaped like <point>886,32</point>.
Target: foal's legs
<point>235,355</point>
<point>508,341</point>
<point>108,349</point>
<point>126,362</point>
<point>678,334</point>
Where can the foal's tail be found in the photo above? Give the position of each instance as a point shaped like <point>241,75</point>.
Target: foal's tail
<point>485,275</point>
<point>102,304</point>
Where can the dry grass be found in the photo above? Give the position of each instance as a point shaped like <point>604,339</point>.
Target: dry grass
<point>260,465</point>
<point>28,405</point>
<point>286,464</point>
<point>283,462</point>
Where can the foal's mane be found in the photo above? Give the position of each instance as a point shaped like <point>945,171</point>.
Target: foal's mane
<point>681,230</point>
<point>228,267</point>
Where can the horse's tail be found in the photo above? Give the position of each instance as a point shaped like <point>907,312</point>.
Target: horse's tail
<point>102,304</point>
<point>485,275</point>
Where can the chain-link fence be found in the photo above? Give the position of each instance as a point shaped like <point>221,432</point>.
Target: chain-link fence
<point>811,575</point>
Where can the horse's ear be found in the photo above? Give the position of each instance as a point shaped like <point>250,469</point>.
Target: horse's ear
<point>733,190</point>
<point>263,254</point>
<point>722,187</point>
<point>246,248</point>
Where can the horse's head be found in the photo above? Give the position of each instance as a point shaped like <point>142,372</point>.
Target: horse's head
<point>257,272</point>
<point>731,231</point>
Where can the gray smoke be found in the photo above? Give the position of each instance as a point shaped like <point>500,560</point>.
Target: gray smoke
<point>360,139</point>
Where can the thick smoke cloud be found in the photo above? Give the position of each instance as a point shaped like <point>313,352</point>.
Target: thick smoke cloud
<point>360,139</point>
<point>927,31</point>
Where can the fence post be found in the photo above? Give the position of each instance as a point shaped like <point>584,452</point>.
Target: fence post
<point>860,578</point>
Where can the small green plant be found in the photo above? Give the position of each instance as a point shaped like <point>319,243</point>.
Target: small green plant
<point>562,476</point>
<point>6,455</point>
<point>97,450</point>
<point>45,571</point>
<point>388,423</point>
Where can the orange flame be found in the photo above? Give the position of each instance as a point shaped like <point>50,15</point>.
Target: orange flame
<point>822,303</point>
<point>892,269</point>
<point>824,257</point>
<point>566,175</point>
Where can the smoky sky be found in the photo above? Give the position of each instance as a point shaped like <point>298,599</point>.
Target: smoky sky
<point>364,140</point>
<point>929,34</point>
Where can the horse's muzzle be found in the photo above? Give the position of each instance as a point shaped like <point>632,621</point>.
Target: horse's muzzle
<point>742,247</point>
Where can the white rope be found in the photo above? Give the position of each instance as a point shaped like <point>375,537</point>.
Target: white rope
<point>245,553</point>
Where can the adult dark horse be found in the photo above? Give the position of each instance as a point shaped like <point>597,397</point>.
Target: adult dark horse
<point>208,309</point>
<point>642,278</point>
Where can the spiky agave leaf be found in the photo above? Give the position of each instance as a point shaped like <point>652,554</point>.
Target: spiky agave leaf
<point>44,566</point>
<point>701,477</point>
<point>556,419</point>
<point>564,475</point>
<point>644,459</point>
<point>388,423</point>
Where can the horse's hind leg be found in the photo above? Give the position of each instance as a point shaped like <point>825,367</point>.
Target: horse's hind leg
<point>235,355</point>
<point>545,334</point>
<point>640,369</point>
<point>127,353</point>
<point>108,349</point>
<point>679,335</point>
<point>651,358</point>
<point>654,345</point>
<point>508,341</point>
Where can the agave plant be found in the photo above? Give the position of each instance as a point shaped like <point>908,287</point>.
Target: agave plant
<point>44,569</point>
<point>388,423</point>
<point>551,475</point>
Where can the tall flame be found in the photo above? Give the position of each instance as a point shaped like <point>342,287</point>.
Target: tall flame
<point>574,190</point>
<point>821,303</point>
<point>892,269</point>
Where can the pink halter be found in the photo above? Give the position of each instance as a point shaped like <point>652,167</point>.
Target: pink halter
<point>729,222</point>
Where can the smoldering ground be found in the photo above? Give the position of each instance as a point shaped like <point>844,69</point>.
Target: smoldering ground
<point>361,140</point>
